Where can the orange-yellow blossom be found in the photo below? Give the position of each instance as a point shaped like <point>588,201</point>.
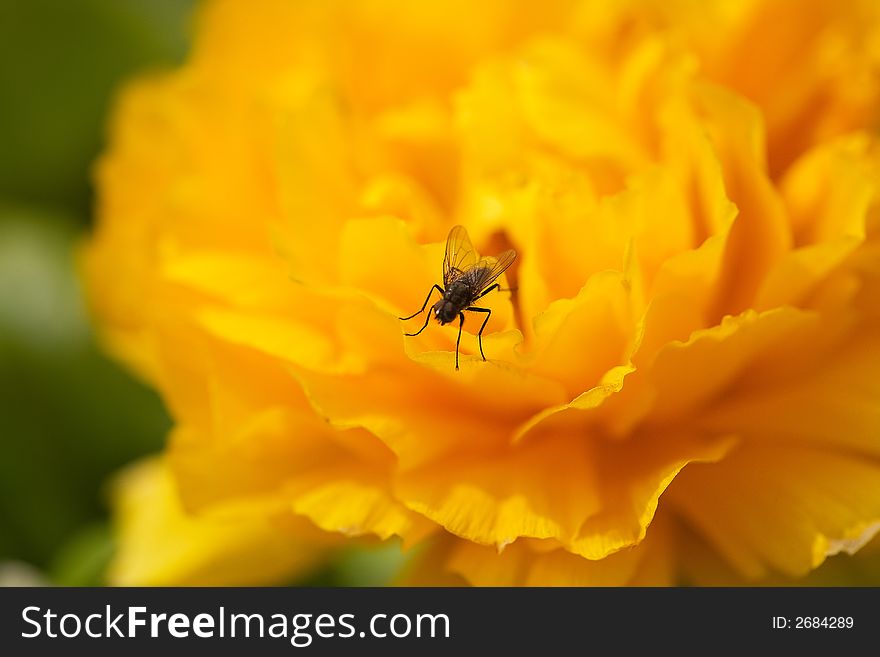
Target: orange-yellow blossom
<point>685,380</point>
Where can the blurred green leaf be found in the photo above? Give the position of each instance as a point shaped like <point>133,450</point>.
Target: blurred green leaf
<point>83,559</point>
<point>68,416</point>
<point>60,63</point>
<point>370,567</point>
<point>360,566</point>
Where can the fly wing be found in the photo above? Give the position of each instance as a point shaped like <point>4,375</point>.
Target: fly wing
<point>460,255</point>
<point>481,275</point>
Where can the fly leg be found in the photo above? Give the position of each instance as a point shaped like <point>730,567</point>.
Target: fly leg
<point>412,335</point>
<point>427,299</point>
<point>485,321</point>
<point>427,317</point>
<point>496,286</point>
<point>460,325</point>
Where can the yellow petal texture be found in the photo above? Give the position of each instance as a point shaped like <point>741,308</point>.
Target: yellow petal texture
<point>540,563</point>
<point>230,545</point>
<point>809,65</point>
<point>680,383</point>
<point>592,498</point>
<point>834,498</point>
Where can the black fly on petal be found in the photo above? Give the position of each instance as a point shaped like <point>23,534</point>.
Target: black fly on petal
<point>466,279</point>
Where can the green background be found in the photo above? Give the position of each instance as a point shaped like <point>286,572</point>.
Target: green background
<point>68,416</point>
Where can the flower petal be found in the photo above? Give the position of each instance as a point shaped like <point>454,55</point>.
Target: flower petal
<point>632,479</point>
<point>229,545</point>
<point>784,507</point>
<point>540,563</point>
<point>760,234</point>
<point>355,501</point>
<point>317,184</point>
<point>544,489</point>
<point>578,340</point>
<point>831,403</point>
<point>593,496</point>
<point>828,191</point>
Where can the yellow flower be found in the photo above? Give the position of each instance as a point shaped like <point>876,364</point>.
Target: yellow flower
<point>697,284</point>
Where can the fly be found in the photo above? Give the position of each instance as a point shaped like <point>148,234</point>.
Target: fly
<point>466,279</point>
